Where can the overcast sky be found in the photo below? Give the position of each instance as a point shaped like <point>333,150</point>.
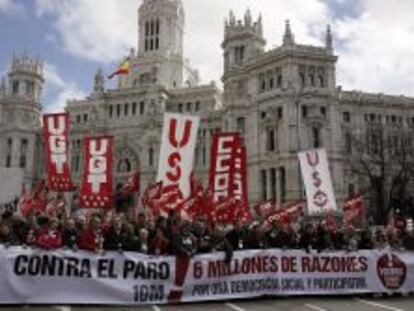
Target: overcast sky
<point>374,39</point>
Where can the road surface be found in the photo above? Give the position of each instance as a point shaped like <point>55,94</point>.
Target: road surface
<point>344,303</point>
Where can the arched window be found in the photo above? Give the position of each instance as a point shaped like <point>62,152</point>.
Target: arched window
<point>134,108</point>
<point>124,166</point>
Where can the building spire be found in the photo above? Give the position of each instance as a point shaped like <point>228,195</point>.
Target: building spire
<point>99,82</point>
<point>232,18</point>
<point>328,39</point>
<point>288,38</point>
<point>248,18</point>
<point>260,25</point>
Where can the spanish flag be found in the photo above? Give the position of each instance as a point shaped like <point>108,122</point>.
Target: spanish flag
<point>123,69</point>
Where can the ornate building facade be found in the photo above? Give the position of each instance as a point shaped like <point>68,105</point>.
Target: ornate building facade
<point>282,100</point>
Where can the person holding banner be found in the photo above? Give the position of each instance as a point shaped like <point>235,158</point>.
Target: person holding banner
<point>91,239</point>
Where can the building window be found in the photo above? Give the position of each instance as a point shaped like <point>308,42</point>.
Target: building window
<point>273,184</point>
<point>150,156</point>
<point>279,81</point>
<point>312,80</point>
<point>282,185</point>
<point>126,109</point>
<point>304,111</point>
<point>302,79</point>
<point>29,87</point>
<point>141,108</point>
<point>263,183</point>
<point>204,155</point>
<point>241,124</point>
<point>118,110</point>
<point>321,81</point>
<point>346,116</point>
<point>134,108</point>
<point>23,153</point>
<point>9,152</point>
<point>15,87</point>
<point>85,118</point>
<point>323,111</point>
<point>270,140</point>
<point>316,143</point>
<point>180,107</point>
<point>111,111</point>
<point>280,113</point>
<point>124,166</point>
<point>78,118</point>
<point>189,105</point>
<point>197,106</point>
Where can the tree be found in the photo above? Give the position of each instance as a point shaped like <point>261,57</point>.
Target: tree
<point>383,155</point>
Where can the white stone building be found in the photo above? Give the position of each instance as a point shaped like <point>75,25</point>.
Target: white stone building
<point>282,100</point>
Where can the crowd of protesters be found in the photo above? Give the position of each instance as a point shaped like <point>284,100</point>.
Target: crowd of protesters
<point>170,235</point>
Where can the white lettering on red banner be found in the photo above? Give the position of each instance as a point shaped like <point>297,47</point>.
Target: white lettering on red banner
<point>56,127</point>
<point>317,179</point>
<point>228,168</point>
<point>96,189</point>
<point>177,151</point>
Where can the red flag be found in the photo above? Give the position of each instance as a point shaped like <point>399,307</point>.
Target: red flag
<point>153,192</point>
<point>132,184</point>
<point>265,208</point>
<point>36,202</point>
<point>56,129</point>
<point>353,209</point>
<point>96,191</point>
<point>280,216</point>
<point>54,206</point>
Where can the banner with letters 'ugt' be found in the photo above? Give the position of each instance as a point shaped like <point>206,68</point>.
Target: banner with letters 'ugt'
<point>64,277</point>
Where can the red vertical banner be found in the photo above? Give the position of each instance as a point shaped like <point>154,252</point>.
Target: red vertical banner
<point>96,191</point>
<point>228,174</point>
<point>56,129</point>
<point>228,168</point>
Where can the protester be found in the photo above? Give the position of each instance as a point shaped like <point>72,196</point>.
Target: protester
<point>50,237</point>
<point>113,231</point>
<point>91,238</point>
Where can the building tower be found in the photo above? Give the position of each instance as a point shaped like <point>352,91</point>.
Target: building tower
<point>160,57</point>
<point>20,144</point>
<point>243,41</point>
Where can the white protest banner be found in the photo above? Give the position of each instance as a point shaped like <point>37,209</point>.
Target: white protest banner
<point>55,277</point>
<point>64,277</point>
<point>317,179</point>
<point>177,150</point>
